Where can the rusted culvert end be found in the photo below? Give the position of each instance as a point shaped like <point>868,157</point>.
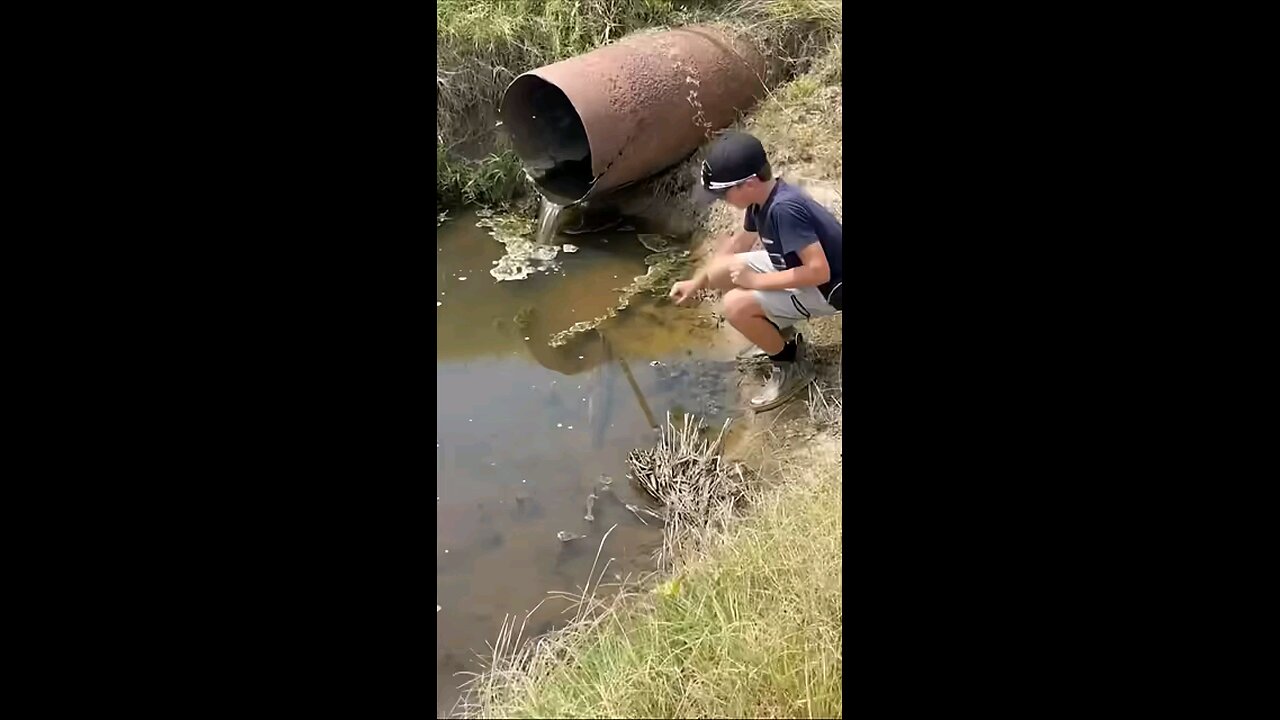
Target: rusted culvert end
<point>620,113</point>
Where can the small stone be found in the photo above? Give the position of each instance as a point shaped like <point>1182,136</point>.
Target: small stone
<point>569,248</point>
<point>462,278</point>
<point>438,303</point>
<point>438,608</point>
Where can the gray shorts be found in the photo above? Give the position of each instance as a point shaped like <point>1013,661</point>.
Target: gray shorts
<point>785,307</point>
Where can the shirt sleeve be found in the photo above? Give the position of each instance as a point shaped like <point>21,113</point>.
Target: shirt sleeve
<point>795,227</point>
<point>749,219</point>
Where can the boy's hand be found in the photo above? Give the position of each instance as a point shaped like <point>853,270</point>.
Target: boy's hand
<point>682,291</point>
<point>743,276</point>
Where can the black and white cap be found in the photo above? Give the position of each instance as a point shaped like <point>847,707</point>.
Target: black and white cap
<point>734,159</point>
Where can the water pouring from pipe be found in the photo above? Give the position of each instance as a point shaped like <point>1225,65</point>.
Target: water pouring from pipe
<point>548,221</point>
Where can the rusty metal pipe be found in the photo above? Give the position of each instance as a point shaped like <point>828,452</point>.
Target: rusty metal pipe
<point>623,112</point>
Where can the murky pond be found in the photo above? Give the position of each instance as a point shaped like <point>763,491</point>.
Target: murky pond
<point>525,432</point>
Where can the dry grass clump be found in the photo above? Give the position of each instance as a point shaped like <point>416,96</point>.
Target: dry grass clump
<point>687,474</point>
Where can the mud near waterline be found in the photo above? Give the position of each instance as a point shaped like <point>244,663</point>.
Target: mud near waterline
<point>525,432</point>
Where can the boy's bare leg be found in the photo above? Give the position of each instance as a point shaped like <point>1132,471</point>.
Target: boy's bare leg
<point>754,351</point>
<point>785,378</point>
<point>748,318</point>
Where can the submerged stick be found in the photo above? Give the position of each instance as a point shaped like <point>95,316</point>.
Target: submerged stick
<point>606,412</point>
<point>635,387</point>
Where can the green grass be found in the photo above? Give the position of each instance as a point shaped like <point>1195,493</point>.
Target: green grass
<point>489,181</point>
<point>828,13</point>
<point>546,30</point>
<point>750,626</point>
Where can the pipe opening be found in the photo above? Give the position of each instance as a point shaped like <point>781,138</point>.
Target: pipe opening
<point>549,138</point>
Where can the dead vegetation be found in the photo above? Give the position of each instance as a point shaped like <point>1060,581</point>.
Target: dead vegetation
<point>686,473</point>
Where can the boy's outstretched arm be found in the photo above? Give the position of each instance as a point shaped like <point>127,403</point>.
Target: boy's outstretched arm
<point>740,242</point>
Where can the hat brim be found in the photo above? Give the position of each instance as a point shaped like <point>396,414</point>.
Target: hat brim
<point>703,196</point>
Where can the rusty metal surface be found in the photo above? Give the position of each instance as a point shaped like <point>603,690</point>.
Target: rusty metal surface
<point>647,101</point>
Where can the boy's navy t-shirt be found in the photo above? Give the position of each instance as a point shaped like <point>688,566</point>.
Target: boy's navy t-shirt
<point>789,221</point>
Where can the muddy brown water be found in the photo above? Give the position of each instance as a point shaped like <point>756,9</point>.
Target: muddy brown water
<point>525,432</point>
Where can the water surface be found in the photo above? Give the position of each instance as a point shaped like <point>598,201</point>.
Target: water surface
<point>525,432</point>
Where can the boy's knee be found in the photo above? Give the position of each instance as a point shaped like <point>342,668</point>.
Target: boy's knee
<point>739,303</point>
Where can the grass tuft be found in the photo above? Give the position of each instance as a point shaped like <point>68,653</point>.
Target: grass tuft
<point>490,181</point>
<point>686,473</point>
